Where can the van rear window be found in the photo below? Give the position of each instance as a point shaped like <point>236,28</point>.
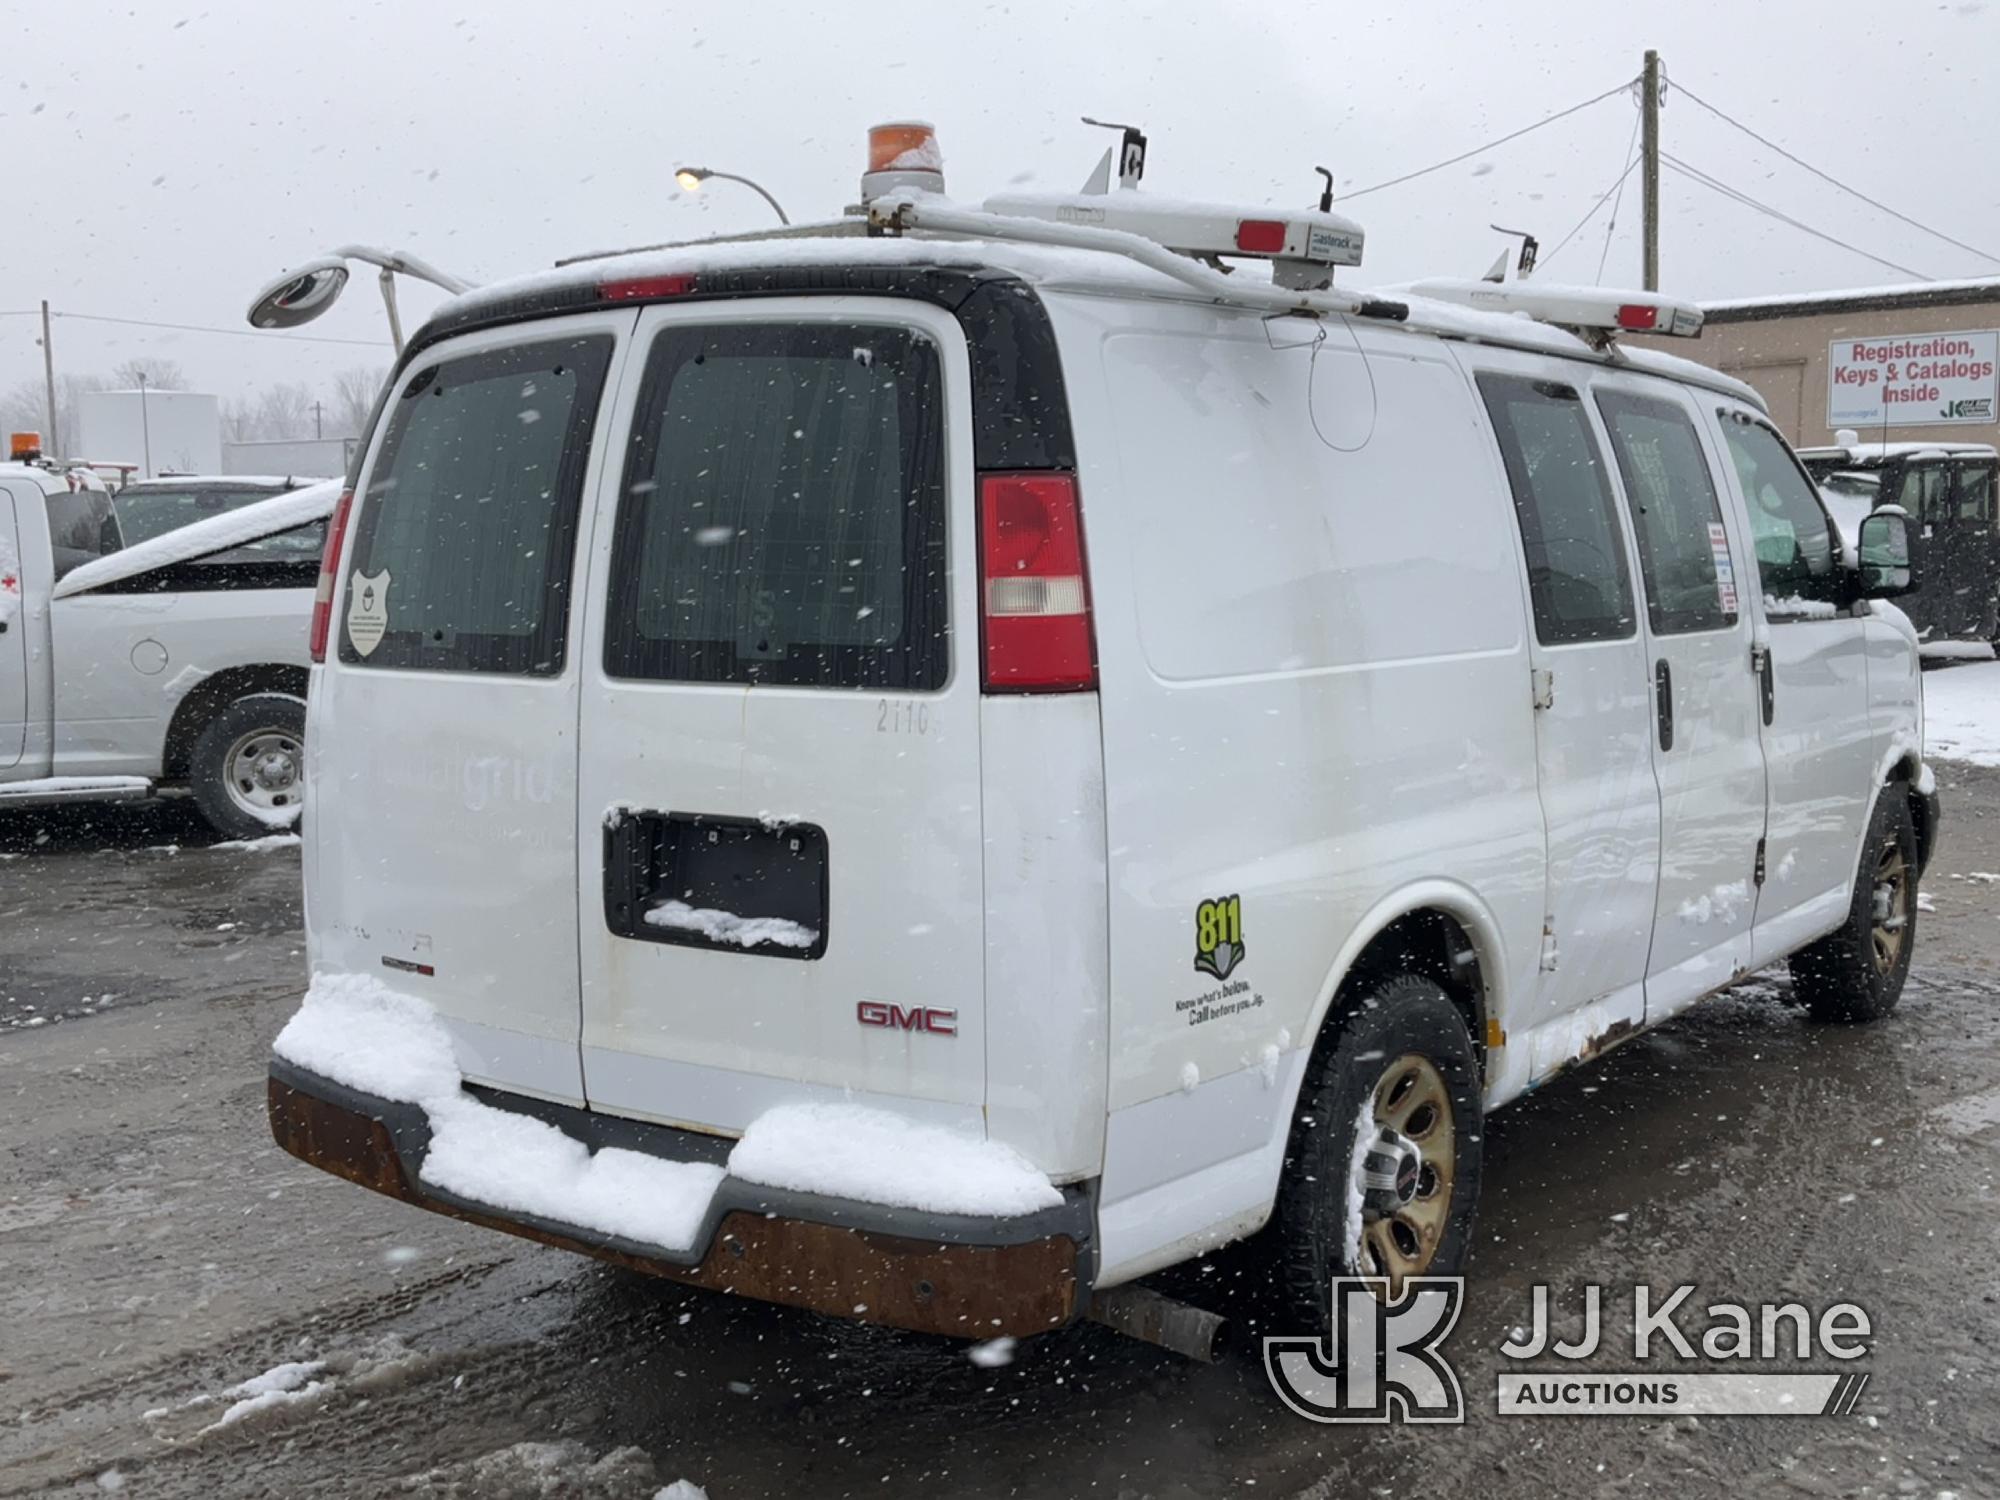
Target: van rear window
<point>782,514</point>
<point>467,533</point>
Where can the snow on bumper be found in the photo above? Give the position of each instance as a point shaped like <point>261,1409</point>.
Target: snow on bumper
<point>363,1085</point>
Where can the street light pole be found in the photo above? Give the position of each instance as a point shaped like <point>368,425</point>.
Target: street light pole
<point>693,177</point>
<point>145,425</point>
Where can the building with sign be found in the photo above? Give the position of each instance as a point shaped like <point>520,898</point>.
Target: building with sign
<point>1895,363</point>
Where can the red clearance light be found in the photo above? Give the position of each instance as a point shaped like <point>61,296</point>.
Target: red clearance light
<point>1036,603</point>
<point>646,288</point>
<point>329,566</point>
<point>1262,236</point>
<point>1638,315</point>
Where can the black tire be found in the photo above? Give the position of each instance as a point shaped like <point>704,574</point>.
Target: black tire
<point>1364,1057</point>
<point>281,719</point>
<point>1845,976</point>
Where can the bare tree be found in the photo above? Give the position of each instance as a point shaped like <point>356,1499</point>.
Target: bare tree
<point>159,375</point>
<point>354,393</point>
<point>25,408</point>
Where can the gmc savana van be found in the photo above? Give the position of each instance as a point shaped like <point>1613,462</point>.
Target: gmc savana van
<point>930,769</point>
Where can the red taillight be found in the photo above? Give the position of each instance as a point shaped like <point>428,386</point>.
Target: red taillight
<point>329,562</point>
<point>645,288</point>
<point>1638,315</point>
<point>1260,236</point>
<point>1035,601</point>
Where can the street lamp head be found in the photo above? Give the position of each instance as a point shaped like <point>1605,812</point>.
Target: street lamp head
<point>691,178</point>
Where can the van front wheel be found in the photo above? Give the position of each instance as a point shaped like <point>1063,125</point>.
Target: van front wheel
<point>248,770</point>
<point>1382,1175</point>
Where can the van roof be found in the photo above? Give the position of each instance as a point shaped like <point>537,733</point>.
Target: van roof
<point>571,285</point>
<point>1876,453</point>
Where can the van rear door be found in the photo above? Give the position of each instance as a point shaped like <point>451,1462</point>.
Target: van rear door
<point>442,729</point>
<point>778,820</point>
<point>13,636</point>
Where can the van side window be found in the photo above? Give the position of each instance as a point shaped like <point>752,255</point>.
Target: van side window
<point>1683,548</point>
<point>1577,574</point>
<point>471,510</point>
<point>1794,540</point>
<point>782,515</point>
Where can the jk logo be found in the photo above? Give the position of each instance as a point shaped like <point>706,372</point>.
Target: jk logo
<point>1384,1364</point>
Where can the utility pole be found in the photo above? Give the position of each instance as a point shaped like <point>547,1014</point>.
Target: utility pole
<point>1649,155</point>
<point>317,434</point>
<point>49,376</point>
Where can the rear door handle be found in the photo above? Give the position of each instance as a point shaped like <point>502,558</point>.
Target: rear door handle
<point>1663,687</point>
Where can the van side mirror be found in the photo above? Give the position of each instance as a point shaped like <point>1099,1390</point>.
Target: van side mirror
<point>1884,549</point>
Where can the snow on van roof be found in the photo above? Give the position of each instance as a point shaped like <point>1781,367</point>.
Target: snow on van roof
<point>1058,269</point>
<point>216,534</point>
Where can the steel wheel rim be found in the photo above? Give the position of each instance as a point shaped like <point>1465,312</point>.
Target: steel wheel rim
<point>1891,926</point>
<point>1411,1097</point>
<point>264,773</point>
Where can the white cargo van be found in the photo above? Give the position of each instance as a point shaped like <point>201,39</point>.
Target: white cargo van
<point>927,774</point>
<point>131,665</point>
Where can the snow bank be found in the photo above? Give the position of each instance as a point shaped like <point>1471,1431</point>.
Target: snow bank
<point>355,1030</point>
<point>264,845</point>
<point>728,927</point>
<point>1956,650</point>
<point>216,534</point>
<point>853,1151</point>
<point>1962,714</point>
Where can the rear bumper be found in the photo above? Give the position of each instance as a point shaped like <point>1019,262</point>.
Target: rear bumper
<point>935,1273</point>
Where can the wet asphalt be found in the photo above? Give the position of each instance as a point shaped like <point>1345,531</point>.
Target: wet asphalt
<point>157,1249</point>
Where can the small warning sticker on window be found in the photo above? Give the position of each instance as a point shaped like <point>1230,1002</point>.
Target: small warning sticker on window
<point>367,610</point>
<point>1725,571</point>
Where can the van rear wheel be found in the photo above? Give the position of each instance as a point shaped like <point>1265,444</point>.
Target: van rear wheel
<point>1856,973</point>
<point>1382,1175</point>
<point>248,770</point>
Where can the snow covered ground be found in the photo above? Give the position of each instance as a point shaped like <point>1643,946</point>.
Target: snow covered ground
<point>1962,713</point>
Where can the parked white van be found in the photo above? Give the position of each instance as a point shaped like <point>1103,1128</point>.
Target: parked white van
<point>928,774</point>
<point>177,660</point>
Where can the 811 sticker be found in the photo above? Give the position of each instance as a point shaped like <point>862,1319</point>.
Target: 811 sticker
<point>1218,936</point>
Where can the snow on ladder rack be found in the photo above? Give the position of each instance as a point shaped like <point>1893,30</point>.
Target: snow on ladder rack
<point>1596,314</point>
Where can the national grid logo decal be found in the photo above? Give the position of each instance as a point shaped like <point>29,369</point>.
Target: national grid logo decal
<point>1384,1363</point>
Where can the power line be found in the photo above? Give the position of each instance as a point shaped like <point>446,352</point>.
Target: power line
<point>1512,135</point>
<point>1717,185</point>
<point>1591,212</point>
<point>1611,225</point>
<point>244,333</point>
<point>1828,177</point>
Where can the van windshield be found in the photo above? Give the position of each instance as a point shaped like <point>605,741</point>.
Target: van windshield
<point>782,516</point>
<point>466,538</point>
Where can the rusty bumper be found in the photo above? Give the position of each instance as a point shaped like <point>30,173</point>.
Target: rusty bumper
<point>948,1275</point>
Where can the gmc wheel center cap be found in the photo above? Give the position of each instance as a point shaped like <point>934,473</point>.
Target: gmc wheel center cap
<point>1390,1171</point>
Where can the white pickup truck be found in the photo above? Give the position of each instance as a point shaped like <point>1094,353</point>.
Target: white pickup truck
<point>178,661</point>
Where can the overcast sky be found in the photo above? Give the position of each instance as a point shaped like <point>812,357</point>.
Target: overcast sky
<point>163,160</point>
